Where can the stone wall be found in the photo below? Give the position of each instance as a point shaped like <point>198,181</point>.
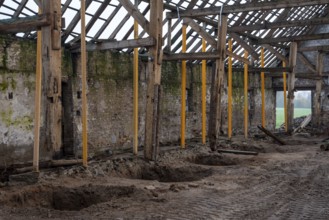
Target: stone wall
<point>110,98</point>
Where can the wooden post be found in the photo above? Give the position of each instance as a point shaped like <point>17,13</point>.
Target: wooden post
<point>154,90</point>
<point>84,86</point>
<point>291,85</point>
<point>285,98</point>
<point>229,92</point>
<point>318,88</point>
<point>51,60</point>
<point>169,36</point>
<point>217,85</point>
<point>135,142</point>
<point>183,89</point>
<point>263,89</point>
<point>245,83</point>
<point>37,108</point>
<point>204,93</point>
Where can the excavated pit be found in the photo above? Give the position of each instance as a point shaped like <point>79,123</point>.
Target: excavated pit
<point>70,199</point>
<point>214,160</point>
<point>173,174</point>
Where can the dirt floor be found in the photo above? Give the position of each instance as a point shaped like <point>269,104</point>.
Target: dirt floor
<point>281,182</point>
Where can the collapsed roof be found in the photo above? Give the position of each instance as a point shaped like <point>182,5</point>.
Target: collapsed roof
<point>252,24</point>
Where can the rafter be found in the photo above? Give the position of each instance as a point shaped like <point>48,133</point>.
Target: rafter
<point>136,14</point>
<point>294,38</point>
<point>247,47</point>
<point>306,62</point>
<point>276,53</point>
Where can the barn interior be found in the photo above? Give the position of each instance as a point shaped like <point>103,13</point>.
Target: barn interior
<point>173,109</point>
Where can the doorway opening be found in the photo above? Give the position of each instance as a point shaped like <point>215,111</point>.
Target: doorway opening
<point>302,105</point>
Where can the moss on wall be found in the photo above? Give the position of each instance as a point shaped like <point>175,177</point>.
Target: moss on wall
<point>24,122</point>
<point>8,83</point>
<point>171,77</point>
<point>27,58</point>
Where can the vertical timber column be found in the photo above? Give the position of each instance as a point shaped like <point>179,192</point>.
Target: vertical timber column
<point>318,88</point>
<point>291,85</point>
<point>51,59</point>
<point>262,76</point>
<point>153,88</point>
<point>84,85</point>
<point>285,98</point>
<point>37,109</point>
<point>217,85</point>
<point>183,97</point>
<point>204,93</point>
<point>245,86</point>
<point>229,92</point>
<point>135,142</point>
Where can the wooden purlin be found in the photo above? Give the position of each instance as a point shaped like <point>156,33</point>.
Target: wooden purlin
<point>253,6</point>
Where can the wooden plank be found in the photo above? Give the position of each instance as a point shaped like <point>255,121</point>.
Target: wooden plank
<point>253,6</point>
<point>51,60</point>
<point>244,45</point>
<point>318,89</point>
<point>240,152</point>
<point>24,24</point>
<point>306,62</point>
<point>273,25</point>
<point>217,86</point>
<point>136,14</point>
<point>116,45</point>
<point>291,86</point>
<point>153,87</point>
<point>275,52</point>
<point>268,133</point>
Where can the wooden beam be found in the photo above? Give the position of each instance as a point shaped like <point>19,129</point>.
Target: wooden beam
<point>116,45</point>
<point>27,24</point>
<point>202,32</point>
<point>66,33</point>
<point>294,38</point>
<point>96,15</point>
<point>280,24</point>
<point>136,14</point>
<point>265,69</point>
<point>253,6</point>
<point>153,87</point>
<point>107,22</point>
<point>19,8</point>
<point>217,85</point>
<point>306,62</point>
<point>318,89</point>
<point>51,80</point>
<point>314,48</point>
<point>244,45</point>
<point>275,52</point>
<point>291,86</point>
